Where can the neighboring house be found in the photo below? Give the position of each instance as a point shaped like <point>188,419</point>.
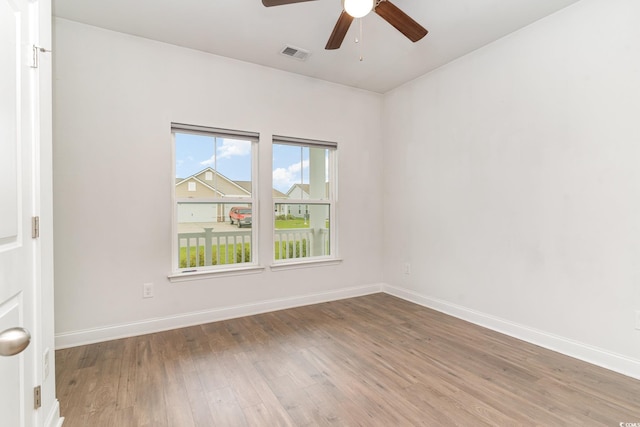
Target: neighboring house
<point>274,193</point>
<point>209,184</point>
<point>206,184</point>
<point>299,192</point>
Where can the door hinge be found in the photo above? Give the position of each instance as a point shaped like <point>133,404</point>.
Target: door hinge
<point>36,51</point>
<point>37,397</point>
<point>35,227</point>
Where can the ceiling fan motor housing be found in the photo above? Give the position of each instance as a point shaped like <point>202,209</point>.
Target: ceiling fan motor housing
<point>358,8</point>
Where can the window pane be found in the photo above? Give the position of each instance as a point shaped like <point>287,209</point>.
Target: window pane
<point>302,230</point>
<point>213,234</point>
<point>301,172</point>
<point>212,167</point>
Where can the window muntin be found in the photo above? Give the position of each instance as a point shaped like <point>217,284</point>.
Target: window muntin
<point>304,174</point>
<point>214,172</point>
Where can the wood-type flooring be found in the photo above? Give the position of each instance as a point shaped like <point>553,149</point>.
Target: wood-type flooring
<point>374,360</point>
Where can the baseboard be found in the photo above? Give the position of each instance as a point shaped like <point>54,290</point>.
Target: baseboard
<point>147,326</point>
<point>54,419</point>
<point>596,356</point>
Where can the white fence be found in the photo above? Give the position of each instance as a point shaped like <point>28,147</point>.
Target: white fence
<point>295,243</point>
<point>231,247</point>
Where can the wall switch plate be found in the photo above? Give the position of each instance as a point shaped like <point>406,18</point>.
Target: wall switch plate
<point>147,290</point>
<point>638,320</point>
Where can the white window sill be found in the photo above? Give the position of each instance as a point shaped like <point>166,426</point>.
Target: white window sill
<point>205,274</point>
<point>304,264</point>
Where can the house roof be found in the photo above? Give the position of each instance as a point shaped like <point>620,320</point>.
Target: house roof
<point>218,183</point>
<point>275,193</point>
<point>304,188</point>
<point>202,189</point>
<point>242,187</point>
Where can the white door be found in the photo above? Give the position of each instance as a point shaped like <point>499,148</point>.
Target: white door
<point>17,248</point>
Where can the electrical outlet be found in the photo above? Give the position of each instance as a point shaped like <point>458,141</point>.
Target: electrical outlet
<point>638,320</point>
<point>147,290</point>
<point>45,364</point>
<point>407,268</point>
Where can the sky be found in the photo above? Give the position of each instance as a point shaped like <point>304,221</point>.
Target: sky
<point>233,159</point>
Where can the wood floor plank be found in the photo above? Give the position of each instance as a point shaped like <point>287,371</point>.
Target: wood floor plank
<point>224,408</point>
<point>368,361</point>
<point>123,418</point>
<point>126,376</point>
<point>179,411</point>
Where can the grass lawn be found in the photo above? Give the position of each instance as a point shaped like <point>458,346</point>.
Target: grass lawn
<point>291,223</point>
<point>294,223</point>
<point>234,255</point>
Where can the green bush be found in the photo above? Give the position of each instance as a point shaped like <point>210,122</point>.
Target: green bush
<point>192,259</point>
<point>287,217</point>
<point>234,255</point>
<point>247,254</point>
<point>299,246</point>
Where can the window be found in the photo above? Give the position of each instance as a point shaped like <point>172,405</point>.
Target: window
<point>214,198</point>
<point>304,177</point>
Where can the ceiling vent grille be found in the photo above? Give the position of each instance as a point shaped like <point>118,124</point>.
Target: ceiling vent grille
<point>295,52</point>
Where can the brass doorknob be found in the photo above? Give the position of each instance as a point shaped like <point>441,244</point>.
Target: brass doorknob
<point>14,341</point>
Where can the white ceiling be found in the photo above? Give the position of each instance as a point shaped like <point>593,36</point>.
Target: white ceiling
<point>248,31</point>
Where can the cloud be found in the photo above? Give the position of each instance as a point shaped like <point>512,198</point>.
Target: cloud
<point>228,149</point>
<point>233,147</point>
<point>284,178</point>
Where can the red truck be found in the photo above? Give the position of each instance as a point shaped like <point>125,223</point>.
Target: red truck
<point>241,215</point>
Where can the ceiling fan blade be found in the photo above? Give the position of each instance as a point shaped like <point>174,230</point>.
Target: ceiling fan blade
<point>339,31</point>
<point>269,3</point>
<point>401,21</point>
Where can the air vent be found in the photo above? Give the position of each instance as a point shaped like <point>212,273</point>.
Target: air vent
<point>295,52</point>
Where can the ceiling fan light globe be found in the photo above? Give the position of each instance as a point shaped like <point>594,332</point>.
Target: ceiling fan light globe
<point>358,8</point>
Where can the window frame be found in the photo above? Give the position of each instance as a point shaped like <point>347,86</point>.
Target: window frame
<point>331,201</point>
<point>191,273</point>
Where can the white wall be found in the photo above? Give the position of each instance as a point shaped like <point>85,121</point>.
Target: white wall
<point>519,165</point>
<point>115,96</point>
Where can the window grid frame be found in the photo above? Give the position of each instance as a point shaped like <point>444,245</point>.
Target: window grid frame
<point>331,201</point>
<point>178,273</point>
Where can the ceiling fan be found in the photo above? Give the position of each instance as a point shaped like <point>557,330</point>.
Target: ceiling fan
<point>358,8</point>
